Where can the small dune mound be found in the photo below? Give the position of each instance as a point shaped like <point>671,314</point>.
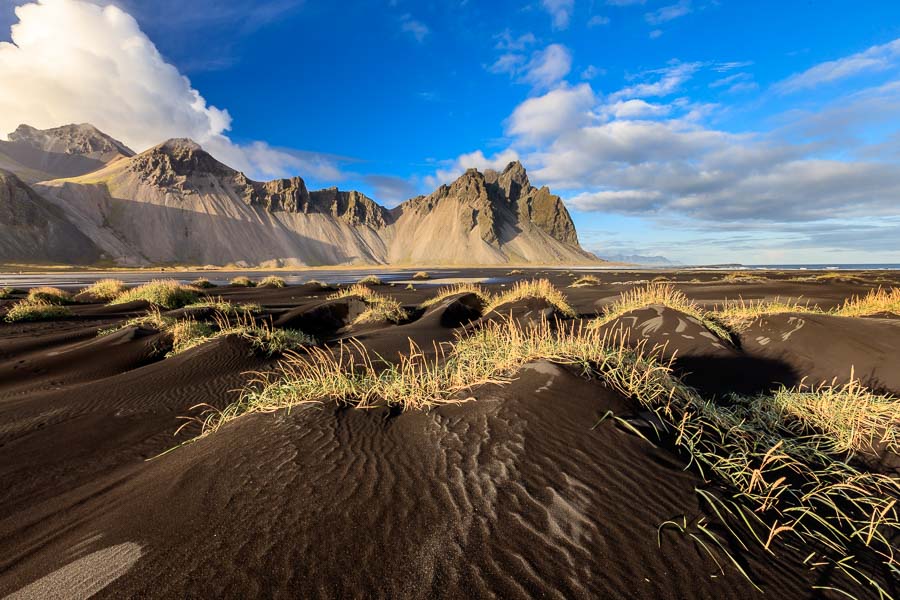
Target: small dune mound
<point>272,281</point>
<point>166,293</point>
<point>531,301</point>
<point>381,309</point>
<point>821,347</point>
<point>454,311</point>
<point>49,295</point>
<point>880,302</point>
<point>370,280</point>
<point>421,276</point>
<point>241,281</point>
<point>104,290</point>
<point>35,310</point>
<point>202,283</point>
<point>324,318</point>
<point>586,281</point>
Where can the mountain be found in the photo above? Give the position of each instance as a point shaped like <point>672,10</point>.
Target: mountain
<point>177,204</point>
<point>640,259</point>
<point>34,231</point>
<point>67,151</point>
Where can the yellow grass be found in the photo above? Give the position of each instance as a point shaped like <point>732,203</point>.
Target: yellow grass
<point>35,310</point>
<point>202,283</point>
<point>586,281</point>
<point>456,289</point>
<point>5,292</point>
<point>241,281</point>
<point>105,289</point>
<point>664,294</point>
<point>166,293</point>
<point>743,277</point>
<point>272,281</point>
<point>49,295</point>
<point>370,280</point>
<point>875,302</point>
<point>381,308</point>
<point>421,275</point>
<point>739,314</point>
<point>534,288</point>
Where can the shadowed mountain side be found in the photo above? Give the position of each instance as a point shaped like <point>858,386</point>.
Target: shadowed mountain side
<point>209,229</point>
<point>34,230</point>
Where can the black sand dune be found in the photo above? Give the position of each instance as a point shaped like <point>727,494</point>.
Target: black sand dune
<point>538,488</point>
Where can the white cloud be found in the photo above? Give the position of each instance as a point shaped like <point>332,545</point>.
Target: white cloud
<point>669,81</point>
<point>636,109</point>
<point>552,114</point>
<point>506,41</point>
<point>544,69</point>
<point>668,13</point>
<point>72,61</point>
<point>590,72</point>
<point>560,10</point>
<point>598,20</point>
<point>876,58</point>
<point>415,28</point>
<point>548,66</point>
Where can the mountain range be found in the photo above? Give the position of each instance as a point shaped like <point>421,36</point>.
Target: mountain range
<point>74,194</point>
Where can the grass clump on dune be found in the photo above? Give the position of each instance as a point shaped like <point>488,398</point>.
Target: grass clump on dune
<point>36,310</point>
<point>739,314</point>
<point>875,302</point>
<point>664,294</point>
<point>743,277</point>
<point>202,283</point>
<point>456,289</point>
<point>166,293</point>
<point>834,276</point>
<point>421,276</point>
<point>535,288</point>
<point>5,292</point>
<point>370,280</point>
<point>105,290</point>
<point>776,469</point>
<point>241,281</point>
<point>380,307</point>
<point>272,281</point>
<point>586,281</point>
<point>49,295</point>
<point>262,336</point>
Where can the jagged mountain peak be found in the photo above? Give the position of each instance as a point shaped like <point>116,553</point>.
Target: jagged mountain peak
<point>173,162</point>
<point>82,139</point>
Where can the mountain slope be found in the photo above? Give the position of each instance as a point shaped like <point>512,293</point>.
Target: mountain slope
<point>485,219</point>
<point>34,231</point>
<point>67,151</point>
<point>176,204</point>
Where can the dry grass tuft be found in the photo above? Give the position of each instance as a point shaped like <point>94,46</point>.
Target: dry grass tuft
<point>49,295</point>
<point>743,277</point>
<point>105,290</point>
<point>534,288</point>
<point>516,272</point>
<point>5,292</point>
<point>456,289</point>
<point>370,280</point>
<point>202,283</point>
<point>664,294</point>
<point>381,308</point>
<point>834,276</point>
<point>166,293</point>
<point>262,336</point>
<point>739,314</point>
<point>586,281</point>
<point>421,276</point>
<point>225,307</point>
<point>36,310</point>
<point>875,302</point>
<point>272,281</point>
<point>241,281</point>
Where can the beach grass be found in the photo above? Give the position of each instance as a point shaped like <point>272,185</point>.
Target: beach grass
<point>534,288</point>
<point>380,308</point>
<point>166,293</point>
<point>49,295</point>
<point>105,290</point>
<point>36,310</point>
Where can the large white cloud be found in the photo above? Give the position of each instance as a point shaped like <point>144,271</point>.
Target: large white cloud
<point>74,61</point>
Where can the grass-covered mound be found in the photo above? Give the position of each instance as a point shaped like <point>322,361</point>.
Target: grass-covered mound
<point>460,288</point>
<point>880,301</point>
<point>5,293</point>
<point>534,288</point>
<point>781,468</point>
<point>36,310</point>
<point>272,281</point>
<point>381,308</point>
<point>241,281</point>
<point>49,295</point>
<point>586,281</point>
<point>104,290</point>
<point>370,280</point>
<point>166,293</point>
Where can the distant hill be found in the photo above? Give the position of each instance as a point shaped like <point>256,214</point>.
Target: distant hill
<point>175,203</point>
<point>639,259</point>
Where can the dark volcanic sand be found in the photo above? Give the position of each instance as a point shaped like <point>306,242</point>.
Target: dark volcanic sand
<point>516,494</point>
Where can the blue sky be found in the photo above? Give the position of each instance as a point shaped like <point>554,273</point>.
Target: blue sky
<point>755,132</point>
